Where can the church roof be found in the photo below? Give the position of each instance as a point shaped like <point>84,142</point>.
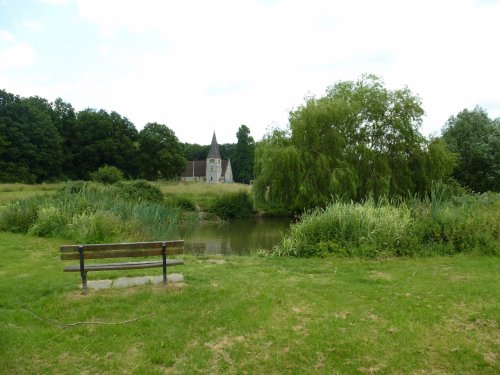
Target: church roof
<point>214,149</point>
<point>195,168</point>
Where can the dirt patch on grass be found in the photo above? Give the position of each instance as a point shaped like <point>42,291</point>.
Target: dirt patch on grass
<point>382,276</point>
<point>220,352</point>
<point>341,314</point>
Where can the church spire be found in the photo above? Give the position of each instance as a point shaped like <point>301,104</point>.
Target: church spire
<point>214,149</point>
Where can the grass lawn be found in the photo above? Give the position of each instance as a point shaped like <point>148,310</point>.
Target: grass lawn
<point>437,315</point>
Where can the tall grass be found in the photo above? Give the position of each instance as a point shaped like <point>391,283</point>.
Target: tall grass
<point>433,226</point>
<point>90,212</point>
<point>232,205</point>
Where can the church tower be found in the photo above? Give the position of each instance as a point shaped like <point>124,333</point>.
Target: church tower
<point>214,162</point>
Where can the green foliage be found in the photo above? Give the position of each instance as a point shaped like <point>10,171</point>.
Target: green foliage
<point>194,151</point>
<point>184,203</point>
<point>475,139</point>
<point>31,146</point>
<point>160,153</point>
<point>19,216</point>
<point>107,175</point>
<point>243,156</point>
<point>139,191</point>
<point>102,138</point>
<point>92,212</point>
<point>360,140</point>
<point>42,142</point>
<point>435,225</point>
<point>232,206</point>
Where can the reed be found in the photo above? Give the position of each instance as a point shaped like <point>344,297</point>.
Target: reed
<point>92,212</point>
<point>467,224</point>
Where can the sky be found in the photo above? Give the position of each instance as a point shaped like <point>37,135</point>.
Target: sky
<point>201,66</point>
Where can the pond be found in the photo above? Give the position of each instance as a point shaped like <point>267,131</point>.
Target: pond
<point>236,237</point>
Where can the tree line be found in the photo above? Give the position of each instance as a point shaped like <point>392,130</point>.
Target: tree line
<point>42,141</point>
<point>362,140</point>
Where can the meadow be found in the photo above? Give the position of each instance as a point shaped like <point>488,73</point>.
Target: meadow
<point>344,305</point>
<point>262,315</point>
<point>202,194</point>
<point>13,192</point>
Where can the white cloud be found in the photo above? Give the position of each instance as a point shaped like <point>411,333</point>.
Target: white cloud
<point>17,56</point>
<point>6,36</point>
<point>53,2</point>
<point>32,25</point>
<point>217,64</point>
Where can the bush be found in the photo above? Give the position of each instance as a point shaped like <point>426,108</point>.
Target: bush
<point>232,206</point>
<point>184,203</point>
<point>19,216</point>
<point>50,222</point>
<point>139,191</point>
<point>107,174</point>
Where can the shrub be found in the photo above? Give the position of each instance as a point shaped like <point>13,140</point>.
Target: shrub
<point>184,203</point>
<point>107,174</point>
<point>19,216</point>
<point>232,206</point>
<point>50,222</point>
<point>139,191</point>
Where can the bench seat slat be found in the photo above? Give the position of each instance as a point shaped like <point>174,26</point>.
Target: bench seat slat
<point>123,253</point>
<point>123,266</point>
<point>119,246</point>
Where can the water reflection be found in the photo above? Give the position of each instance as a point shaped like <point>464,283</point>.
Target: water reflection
<point>237,237</point>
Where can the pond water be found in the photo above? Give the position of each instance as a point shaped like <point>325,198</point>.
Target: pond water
<point>235,237</point>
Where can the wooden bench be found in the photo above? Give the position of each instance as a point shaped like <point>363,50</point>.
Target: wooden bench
<point>121,250</point>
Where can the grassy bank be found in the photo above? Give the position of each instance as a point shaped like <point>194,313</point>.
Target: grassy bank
<point>88,212</point>
<point>252,315</point>
<point>464,224</point>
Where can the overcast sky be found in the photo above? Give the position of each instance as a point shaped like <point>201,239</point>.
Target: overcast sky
<point>200,66</point>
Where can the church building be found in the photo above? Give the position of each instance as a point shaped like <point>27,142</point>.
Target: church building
<point>213,169</point>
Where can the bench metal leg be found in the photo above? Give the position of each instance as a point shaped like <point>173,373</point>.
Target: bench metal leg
<point>164,256</point>
<point>84,282</point>
<point>83,273</point>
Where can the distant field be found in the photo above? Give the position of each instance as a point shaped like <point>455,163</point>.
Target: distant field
<point>12,192</point>
<point>251,315</point>
<point>200,192</point>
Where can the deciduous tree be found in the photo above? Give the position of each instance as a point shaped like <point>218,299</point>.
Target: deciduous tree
<point>475,138</point>
<point>161,154</point>
<point>243,155</point>
<point>358,140</point>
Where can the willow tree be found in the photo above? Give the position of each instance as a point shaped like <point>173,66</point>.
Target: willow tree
<point>360,139</point>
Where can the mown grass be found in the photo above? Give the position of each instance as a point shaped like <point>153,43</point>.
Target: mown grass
<point>202,194</point>
<point>270,315</point>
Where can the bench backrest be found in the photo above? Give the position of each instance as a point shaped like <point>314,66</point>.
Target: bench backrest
<point>121,250</point>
